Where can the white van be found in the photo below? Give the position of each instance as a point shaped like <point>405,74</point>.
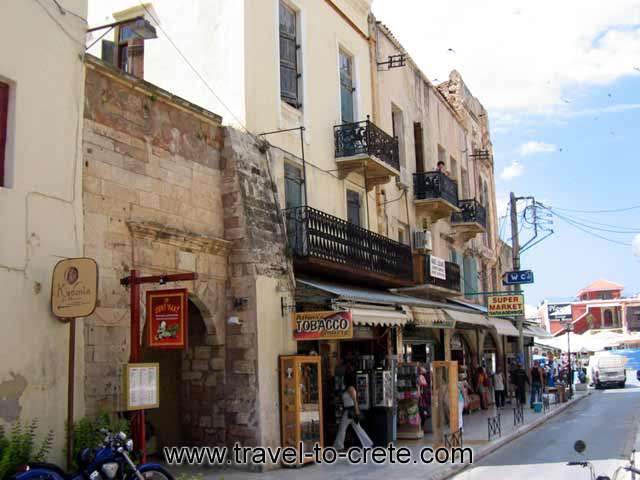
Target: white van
<point>608,370</point>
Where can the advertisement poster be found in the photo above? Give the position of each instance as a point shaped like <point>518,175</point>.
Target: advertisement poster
<point>328,325</point>
<point>504,305</point>
<point>437,267</point>
<point>167,313</point>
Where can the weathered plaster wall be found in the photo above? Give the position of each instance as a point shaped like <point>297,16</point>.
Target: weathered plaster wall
<point>40,207</point>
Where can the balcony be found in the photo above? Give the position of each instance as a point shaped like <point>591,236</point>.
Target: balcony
<point>326,245</point>
<point>365,148</point>
<point>428,284</point>
<point>435,195</point>
<point>470,220</point>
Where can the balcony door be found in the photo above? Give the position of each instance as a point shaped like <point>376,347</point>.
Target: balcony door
<point>293,197</point>
<point>354,209</point>
<point>292,186</point>
<point>346,88</point>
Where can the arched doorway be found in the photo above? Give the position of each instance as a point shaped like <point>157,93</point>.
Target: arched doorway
<point>608,319</point>
<point>184,392</point>
<point>490,357</point>
<point>460,350</point>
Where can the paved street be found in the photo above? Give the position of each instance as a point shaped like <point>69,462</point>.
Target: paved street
<point>607,421</point>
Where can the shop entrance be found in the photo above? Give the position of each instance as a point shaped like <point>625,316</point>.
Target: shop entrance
<point>490,359</point>
<point>183,390</point>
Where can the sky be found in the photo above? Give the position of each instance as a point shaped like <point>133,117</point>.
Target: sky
<point>561,83</point>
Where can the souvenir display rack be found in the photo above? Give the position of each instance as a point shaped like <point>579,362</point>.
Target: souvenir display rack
<point>408,396</point>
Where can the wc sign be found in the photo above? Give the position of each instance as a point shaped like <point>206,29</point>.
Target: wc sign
<point>518,277</point>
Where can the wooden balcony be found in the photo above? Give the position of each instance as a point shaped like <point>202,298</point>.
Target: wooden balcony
<point>328,246</point>
<point>435,195</point>
<point>432,286</point>
<point>365,148</point>
<point>470,220</point>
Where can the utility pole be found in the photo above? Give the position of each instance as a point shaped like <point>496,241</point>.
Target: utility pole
<point>516,266</point>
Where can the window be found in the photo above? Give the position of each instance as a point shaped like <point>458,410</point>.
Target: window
<point>442,157</point>
<point>293,192</point>
<point>289,75</point>
<point>346,88</point>
<point>419,146</point>
<point>453,168</point>
<point>469,275</point>
<point>353,207</point>
<point>608,319</point>
<point>129,51</point>
<point>4,114</point>
<point>397,122</point>
<point>401,235</point>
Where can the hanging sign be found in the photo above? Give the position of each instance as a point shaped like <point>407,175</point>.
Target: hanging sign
<point>74,288</point>
<point>167,318</point>
<point>437,267</point>
<point>142,386</point>
<point>517,278</point>
<point>503,305</point>
<point>327,325</point>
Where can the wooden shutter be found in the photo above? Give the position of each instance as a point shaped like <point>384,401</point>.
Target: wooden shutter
<point>353,207</point>
<point>419,146</point>
<point>292,186</point>
<point>4,113</point>
<point>288,56</point>
<point>109,52</point>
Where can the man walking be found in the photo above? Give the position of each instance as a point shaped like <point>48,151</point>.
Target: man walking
<point>536,383</point>
<point>520,380</point>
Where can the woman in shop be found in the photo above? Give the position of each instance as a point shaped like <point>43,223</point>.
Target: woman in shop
<point>350,415</point>
<point>483,388</point>
<point>424,401</point>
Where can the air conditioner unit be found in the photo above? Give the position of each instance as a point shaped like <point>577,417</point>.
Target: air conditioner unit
<point>422,240</point>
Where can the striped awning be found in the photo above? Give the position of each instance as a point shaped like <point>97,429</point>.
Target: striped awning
<point>468,318</point>
<point>431,318</point>
<point>373,316</point>
<point>504,327</point>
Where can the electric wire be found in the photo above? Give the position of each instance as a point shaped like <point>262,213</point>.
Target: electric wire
<point>64,11</point>
<point>588,232</point>
<point>635,207</point>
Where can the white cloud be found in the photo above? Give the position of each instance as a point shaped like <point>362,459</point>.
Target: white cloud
<point>514,55</point>
<point>512,171</point>
<point>533,147</point>
<point>635,245</point>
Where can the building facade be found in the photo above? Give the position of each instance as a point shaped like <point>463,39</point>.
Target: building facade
<point>40,205</point>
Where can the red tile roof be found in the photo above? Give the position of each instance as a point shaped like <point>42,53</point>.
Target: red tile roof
<point>601,285</point>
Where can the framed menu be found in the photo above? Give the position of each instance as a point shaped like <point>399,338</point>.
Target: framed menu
<point>142,386</point>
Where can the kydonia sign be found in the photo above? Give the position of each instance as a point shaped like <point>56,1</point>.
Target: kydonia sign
<point>167,316</point>
<point>74,288</point>
<point>501,305</point>
<point>328,325</point>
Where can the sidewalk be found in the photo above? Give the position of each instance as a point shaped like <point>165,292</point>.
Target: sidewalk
<point>475,436</point>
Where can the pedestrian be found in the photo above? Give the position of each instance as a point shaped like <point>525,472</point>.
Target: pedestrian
<point>537,380</point>
<point>498,388</point>
<point>520,379</point>
<point>350,415</point>
<point>441,168</point>
<point>483,388</point>
<point>423,401</point>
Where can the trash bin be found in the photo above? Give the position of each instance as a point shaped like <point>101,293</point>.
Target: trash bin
<point>537,407</point>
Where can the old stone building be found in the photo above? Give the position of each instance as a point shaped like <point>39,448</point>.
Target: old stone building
<point>167,189</point>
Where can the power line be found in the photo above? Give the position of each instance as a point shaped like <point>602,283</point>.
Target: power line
<point>617,228</point>
<point>588,232</point>
<point>64,11</point>
<point>635,207</point>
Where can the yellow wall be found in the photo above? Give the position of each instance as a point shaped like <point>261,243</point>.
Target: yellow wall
<point>41,209</point>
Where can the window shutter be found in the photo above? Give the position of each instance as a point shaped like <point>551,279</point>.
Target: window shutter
<point>4,113</point>
<point>419,146</point>
<point>288,56</point>
<point>108,52</point>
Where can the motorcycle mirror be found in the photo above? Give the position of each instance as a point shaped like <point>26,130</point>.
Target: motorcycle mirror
<point>580,446</point>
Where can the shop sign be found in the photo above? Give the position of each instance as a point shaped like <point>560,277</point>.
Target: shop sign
<point>502,305</point>
<point>456,342</point>
<point>167,318</point>
<point>437,268</point>
<point>74,288</point>
<point>326,325</point>
<point>142,386</point>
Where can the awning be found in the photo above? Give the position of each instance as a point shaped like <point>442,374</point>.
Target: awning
<point>469,318</point>
<point>431,318</point>
<point>504,327</point>
<point>372,316</point>
<point>535,331</point>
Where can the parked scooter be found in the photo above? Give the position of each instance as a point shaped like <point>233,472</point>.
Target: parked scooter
<point>110,461</point>
<point>580,447</point>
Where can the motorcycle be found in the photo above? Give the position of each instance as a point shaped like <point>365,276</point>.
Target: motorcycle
<point>580,447</point>
<point>110,461</point>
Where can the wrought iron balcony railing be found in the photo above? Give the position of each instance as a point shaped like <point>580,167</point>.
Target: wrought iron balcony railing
<point>470,211</point>
<point>435,185</point>
<point>366,138</point>
<point>313,233</point>
<point>452,275</point>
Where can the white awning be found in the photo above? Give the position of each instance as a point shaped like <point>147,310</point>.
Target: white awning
<point>535,331</point>
<point>470,318</point>
<point>372,316</point>
<point>504,327</point>
<point>431,318</point>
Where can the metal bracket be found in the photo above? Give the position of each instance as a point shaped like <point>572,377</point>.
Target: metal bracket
<point>393,61</point>
<point>286,307</point>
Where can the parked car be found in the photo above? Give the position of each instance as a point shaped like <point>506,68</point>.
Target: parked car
<point>608,370</point>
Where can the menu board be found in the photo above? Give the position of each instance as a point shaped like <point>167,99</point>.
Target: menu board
<point>142,386</point>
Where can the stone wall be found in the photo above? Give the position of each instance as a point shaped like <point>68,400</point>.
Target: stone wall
<point>167,190</point>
